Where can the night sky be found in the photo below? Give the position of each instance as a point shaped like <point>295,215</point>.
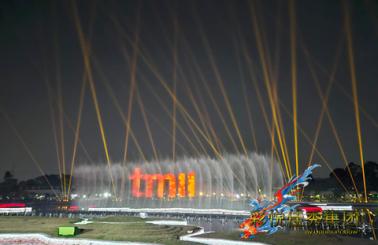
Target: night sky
<point>41,55</point>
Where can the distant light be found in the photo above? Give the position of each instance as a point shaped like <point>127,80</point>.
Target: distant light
<point>222,194</point>
<point>337,208</point>
<point>201,193</point>
<point>237,196</point>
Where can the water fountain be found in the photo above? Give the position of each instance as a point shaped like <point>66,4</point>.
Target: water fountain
<point>203,183</point>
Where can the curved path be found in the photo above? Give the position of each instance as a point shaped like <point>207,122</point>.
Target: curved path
<point>212,241</point>
<point>39,239</point>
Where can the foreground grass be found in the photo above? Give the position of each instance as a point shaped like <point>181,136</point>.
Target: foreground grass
<point>131,229</point>
<point>23,224</point>
<point>295,238</point>
<point>136,230</point>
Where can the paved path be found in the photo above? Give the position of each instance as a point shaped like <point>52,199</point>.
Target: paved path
<point>41,239</point>
<point>212,241</point>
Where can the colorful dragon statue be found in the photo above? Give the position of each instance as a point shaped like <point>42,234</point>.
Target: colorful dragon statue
<point>259,221</point>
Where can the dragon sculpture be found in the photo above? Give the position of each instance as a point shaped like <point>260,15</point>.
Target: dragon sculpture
<point>259,221</point>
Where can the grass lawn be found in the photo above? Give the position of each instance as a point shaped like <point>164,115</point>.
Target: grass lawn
<point>295,238</point>
<point>134,229</point>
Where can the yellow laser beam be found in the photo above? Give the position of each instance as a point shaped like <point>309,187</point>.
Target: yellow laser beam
<point>147,125</point>
<point>174,77</point>
<point>354,92</point>
<point>294,78</point>
<point>260,100</point>
<point>223,90</point>
<point>245,97</point>
<point>332,124</point>
<point>88,69</point>
<point>167,88</point>
<point>116,103</point>
<point>267,83</point>
<point>77,132</point>
<point>54,130</point>
<point>308,139</point>
<point>27,149</point>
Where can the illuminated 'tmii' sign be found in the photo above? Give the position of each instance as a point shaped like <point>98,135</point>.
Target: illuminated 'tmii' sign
<point>182,186</point>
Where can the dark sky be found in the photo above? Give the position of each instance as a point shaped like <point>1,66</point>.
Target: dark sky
<point>39,45</point>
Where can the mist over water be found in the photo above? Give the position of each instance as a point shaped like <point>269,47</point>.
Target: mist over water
<point>219,183</point>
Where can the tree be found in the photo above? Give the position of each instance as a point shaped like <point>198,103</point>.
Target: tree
<point>8,175</point>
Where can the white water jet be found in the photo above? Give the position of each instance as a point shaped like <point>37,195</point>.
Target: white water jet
<point>220,183</point>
